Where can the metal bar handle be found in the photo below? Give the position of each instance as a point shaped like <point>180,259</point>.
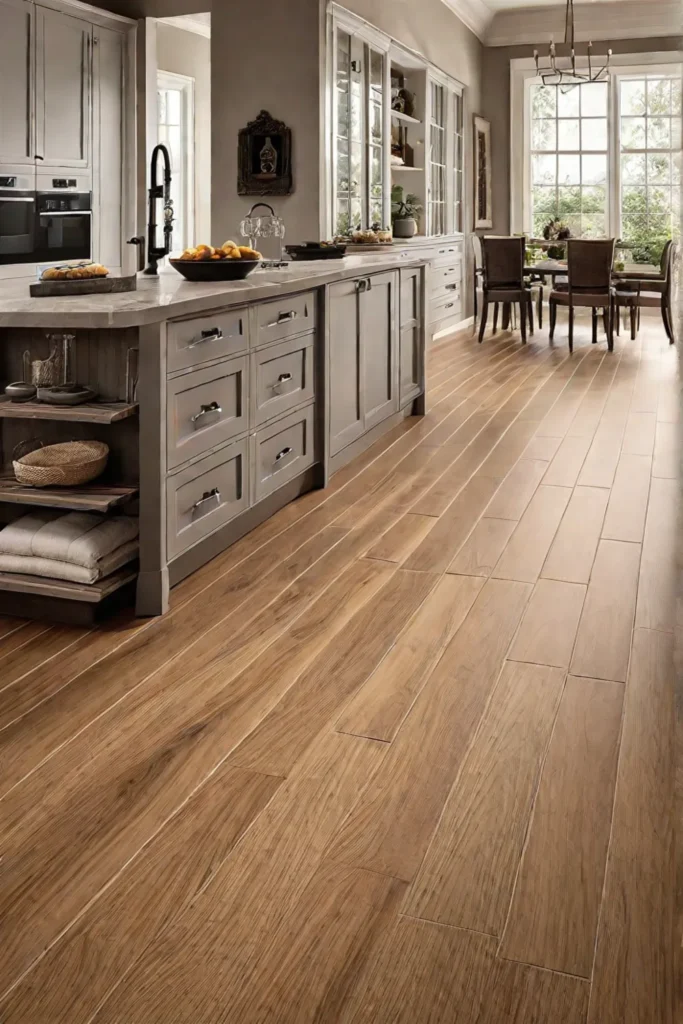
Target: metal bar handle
<point>205,410</point>
<point>290,314</point>
<point>17,199</point>
<point>65,213</point>
<point>284,453</point>
<point>213,495</point>
<point>282,379</point>
<point>212,334</point>
<point>361,285</point>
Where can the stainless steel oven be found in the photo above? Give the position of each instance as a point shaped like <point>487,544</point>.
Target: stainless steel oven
<point>17,219</point>
<point>63,223</point>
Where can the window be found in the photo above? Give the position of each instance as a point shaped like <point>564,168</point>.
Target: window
<point>458,150</point>
<point>437,160</point>
<point>569,158</point>
<point>650,163</point>
<point>175,108</point>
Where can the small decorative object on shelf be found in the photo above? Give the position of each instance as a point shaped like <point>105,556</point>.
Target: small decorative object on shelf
<point>265,158</point>
<point>269,225</point>
<point>556,231</point>
<point>404,212</point>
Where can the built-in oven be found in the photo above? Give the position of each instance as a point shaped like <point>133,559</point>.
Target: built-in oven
<point>63,223</point>
<point>17,219</point>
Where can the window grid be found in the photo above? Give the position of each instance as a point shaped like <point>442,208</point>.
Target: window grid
<point>437,161</point>
<point>458,148</point>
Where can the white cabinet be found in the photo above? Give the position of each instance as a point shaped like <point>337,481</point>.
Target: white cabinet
<point>363,340</point>
<point>445,153</point>
<point>17,50</point>
<point>63,90</point>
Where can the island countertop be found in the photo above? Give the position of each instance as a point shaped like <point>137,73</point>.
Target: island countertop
<point>170,295</point>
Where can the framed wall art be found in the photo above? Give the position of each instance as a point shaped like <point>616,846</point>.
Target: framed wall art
<point>264,159</point>
<point>483,213</point>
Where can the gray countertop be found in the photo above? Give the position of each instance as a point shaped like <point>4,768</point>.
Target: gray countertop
<point>170,296</point>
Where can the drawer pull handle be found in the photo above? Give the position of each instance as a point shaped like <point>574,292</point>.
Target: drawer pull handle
<point>284,453</point>
<point>448,305</point>
<point>361,285</point>
<point>282,379</point>
<point>213,334</point>
<point>205,410</point>
<point>283,318</point>
<point>213,495</point>
<point>451,287</point>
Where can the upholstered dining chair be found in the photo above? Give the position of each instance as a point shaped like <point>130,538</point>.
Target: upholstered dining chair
<point>650,293</point>
<point>503,282</point>
<point>589,267</point>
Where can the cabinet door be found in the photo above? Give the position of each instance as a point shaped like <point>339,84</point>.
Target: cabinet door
<point>378,322</point>
<point>63,85</point>
<point>17,47</point>
<point>346,373</point>
<point>410,343</point>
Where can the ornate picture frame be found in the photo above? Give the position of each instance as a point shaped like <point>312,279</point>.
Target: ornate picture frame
<point>264,158</point>
<point>483,212</point>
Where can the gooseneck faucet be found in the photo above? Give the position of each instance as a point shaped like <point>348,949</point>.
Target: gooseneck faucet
<point>157,191</point>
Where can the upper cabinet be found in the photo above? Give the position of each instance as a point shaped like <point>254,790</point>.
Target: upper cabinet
<point>17,56</point>
<point>63,89</point>
<point>444,179</point>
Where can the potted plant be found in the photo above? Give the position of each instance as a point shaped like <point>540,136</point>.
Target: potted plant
<point>404,212</point>
<point>556,231</point>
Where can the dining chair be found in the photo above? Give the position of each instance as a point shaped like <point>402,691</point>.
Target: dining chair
<point>503,283</point>
<point>589,272</point>
<point>650,293</point>
<point>478,273</point>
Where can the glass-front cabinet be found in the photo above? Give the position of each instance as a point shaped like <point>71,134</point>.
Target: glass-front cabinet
<point>445,157</point>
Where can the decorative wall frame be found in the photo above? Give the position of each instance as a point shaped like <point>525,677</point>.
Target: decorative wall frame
<point>483,212</point>
<point>264,158</point>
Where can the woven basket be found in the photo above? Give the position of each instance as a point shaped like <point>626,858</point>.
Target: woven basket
<point>62,465</point>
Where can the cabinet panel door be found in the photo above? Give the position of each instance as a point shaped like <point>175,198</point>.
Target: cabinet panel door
<point>17,42</point>
<point>108,147</point>
<point>379,344</point>
<point>346,375</point>
<point>63,89</point>
<point>410,354</point>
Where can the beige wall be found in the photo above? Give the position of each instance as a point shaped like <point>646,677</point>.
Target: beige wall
<point>186,53</point>
<point>496,107</point>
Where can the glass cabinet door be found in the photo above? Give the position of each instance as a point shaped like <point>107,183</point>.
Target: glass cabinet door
<point>437,160</point>
<point>458,149</point>
<point>375,61</point>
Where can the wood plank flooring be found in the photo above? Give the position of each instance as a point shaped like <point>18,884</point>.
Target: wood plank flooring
<point>402,754</point>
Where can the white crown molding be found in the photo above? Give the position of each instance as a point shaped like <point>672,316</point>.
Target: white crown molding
<point>188,24</point>
<point>474,14</point>
<point>632,19</point>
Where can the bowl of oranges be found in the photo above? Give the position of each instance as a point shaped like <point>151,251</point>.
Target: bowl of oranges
<point>229,262</point>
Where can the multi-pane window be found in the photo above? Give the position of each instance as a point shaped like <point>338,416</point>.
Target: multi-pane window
<point>175,114</point>
<point>569,158</point>
<point>359,134</point>
<point>650,133</point>
<point>437,160</point>
<point>458,149</point>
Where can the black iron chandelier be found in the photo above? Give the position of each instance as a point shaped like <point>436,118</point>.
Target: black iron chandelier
<point>567,78</point>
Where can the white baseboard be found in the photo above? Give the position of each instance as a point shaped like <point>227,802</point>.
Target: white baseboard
<point>453,329</point>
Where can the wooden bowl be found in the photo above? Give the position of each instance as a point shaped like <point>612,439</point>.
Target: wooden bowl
<point>214,270</point>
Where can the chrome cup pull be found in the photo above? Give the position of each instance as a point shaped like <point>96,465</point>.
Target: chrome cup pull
<point>282,379</point>
<point>284,453</point>
<point>212,334</point>
<point>213,495</point>
<point>205,410</point>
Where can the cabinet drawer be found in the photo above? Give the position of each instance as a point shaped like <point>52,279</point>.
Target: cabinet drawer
<point>203,497</point>
<point>293,314</point>
<point>441,277</point>
<point>211,337</point>
<point>447,254</point>
<point>205,408</point>
<point>281,451</point>
<point>282,376</point>
<point>445,308</point>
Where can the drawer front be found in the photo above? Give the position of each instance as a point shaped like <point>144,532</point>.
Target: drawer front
<point>444,322</point>
<point>282,376</point>
<point>282,451</point>
<point>206,408</point>
<point>442,277</point>
<point>443,255</point>
<point>190,342</point>
<point>205,496</point>
<point>293,314</point>
<point>446,308</point>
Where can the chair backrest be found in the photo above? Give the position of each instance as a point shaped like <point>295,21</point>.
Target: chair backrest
<point>503,262</point>
<point>590,264</point>
<point>666,264</point>
<point>478,254</point>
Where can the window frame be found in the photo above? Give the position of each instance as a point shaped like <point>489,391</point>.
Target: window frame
<point>185,85</point>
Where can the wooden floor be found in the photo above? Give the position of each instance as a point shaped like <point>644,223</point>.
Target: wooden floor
<point>403,755</point>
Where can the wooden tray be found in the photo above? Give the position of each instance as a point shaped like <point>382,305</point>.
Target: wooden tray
<point>84,286</point>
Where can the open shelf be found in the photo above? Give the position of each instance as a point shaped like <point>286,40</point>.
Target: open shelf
<point>90,593</point>
<point>87,498</point>
<point>397,115</point>
<point>88,412</point>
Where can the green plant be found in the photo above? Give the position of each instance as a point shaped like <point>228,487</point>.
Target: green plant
<point>402,208</point>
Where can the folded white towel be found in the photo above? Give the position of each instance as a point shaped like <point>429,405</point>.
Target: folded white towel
<point>52,568</point>
<point>78,538</point>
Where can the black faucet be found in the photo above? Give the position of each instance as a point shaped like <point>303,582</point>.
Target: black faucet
<point>155,252</point>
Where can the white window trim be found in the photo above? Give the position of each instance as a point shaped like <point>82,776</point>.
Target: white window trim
<point>522,76</point>
<point>184,83</point>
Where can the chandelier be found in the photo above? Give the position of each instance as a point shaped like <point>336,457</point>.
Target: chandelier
<point>567,78</point>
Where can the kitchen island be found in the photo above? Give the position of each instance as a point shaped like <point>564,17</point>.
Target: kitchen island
<point>220,403</point>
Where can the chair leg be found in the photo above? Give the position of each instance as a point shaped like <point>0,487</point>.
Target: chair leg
<point>605,319</point>
<point>484,318</point>
<point>522,319</point>
<point>530,307</point>
<point>540,307</point>
<point>633,312</point>
<point>668,323</point>
<point>552,317</point>
<point>595,325</point>
<point>616,313</point>
<point>610,330</point>
<point>506,316</point>
<point>476,302</point>
<point>571,328</point>
<point>495,317</point>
